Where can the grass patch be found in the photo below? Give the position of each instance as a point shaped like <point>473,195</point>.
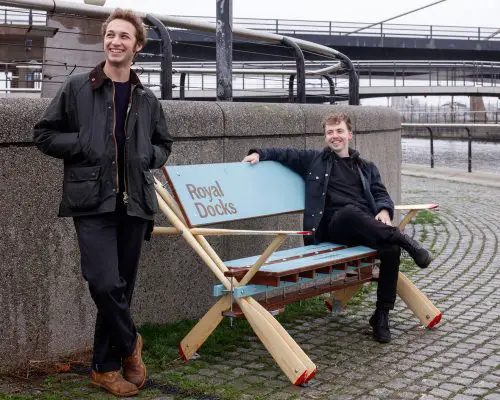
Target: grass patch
<point>408,266</point>
<point>360,296</point>
<point>162,341</point>
<point>161,349</point>
<point>313,307</point>
<point>196,388</point>
<point>426,217</point>
<point>173,377</point>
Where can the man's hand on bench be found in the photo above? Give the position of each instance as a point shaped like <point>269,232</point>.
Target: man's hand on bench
<point>383,216</point>
<point>252,158</point>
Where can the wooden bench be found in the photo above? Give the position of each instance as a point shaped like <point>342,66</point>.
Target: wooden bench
<point>209,194</point>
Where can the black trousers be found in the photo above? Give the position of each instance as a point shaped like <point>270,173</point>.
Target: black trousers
<point>352,226</point>
<point>110,247</point>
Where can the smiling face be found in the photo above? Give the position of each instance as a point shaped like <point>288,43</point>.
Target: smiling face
<point>337,137</point>
<point>120,43</point>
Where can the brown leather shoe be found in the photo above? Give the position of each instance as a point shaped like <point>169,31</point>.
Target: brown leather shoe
<point>134,369</point>
<point>113,382</point>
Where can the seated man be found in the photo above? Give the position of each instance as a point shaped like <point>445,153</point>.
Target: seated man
<point>347,203</point>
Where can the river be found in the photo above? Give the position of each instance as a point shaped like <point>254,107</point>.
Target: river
<point>452,154</point>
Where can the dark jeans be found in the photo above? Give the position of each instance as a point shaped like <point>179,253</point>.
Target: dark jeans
<point>352,226</point>
<point>110,246</point>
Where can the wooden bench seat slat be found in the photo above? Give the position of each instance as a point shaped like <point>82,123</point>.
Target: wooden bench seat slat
<point>285,254</point>
<point>315,261</point>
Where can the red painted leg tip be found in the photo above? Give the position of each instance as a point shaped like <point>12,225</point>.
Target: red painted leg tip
<point>181,353</point>
<point>310,376</point>
<point>434,322</point>
<point>301,379</point>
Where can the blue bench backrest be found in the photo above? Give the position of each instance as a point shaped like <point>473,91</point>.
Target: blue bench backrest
<point>212,193</point>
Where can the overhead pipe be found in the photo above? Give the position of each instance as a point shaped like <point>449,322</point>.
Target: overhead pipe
<point>250,71</point>
<point>301,69</point>
<point>166,57</point>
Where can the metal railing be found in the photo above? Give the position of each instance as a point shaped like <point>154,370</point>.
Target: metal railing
<point>450,117</point>
<point>431,73</point>
<point>61,6</point>
<point>341,28</point>
<point>20,16</point>
<point>466,126</point>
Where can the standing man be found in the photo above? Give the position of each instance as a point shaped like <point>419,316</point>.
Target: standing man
<point>110,131</point>
<point>346,202</point>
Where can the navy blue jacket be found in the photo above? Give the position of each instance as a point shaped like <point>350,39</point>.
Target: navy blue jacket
<point>314,167</point>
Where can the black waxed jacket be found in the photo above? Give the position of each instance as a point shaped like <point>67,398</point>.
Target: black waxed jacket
<point>314,166</point>
<point>78,127</point>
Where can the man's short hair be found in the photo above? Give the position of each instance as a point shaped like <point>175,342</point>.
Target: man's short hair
<point>129,16</point>
<point>335,119</point>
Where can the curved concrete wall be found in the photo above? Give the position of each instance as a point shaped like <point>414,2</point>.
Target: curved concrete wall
<point>45,307</point>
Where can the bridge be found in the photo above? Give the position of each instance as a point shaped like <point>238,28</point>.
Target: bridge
<point>359,41</point>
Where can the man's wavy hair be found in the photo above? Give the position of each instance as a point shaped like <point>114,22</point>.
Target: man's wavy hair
<point>335,119</point>
<point>129,16</point>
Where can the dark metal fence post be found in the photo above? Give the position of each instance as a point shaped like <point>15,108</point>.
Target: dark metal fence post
<point>182,85</point>
<point>469,150</point>
<point>301,69</point>
<point>353,87</point>
<point>332,88</point>
<point>166,57</point>
<point>224,50</point>
<point>290,88</point>
<point>432,146</point>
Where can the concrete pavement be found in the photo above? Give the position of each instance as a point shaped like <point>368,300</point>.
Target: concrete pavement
<point>452,174</point>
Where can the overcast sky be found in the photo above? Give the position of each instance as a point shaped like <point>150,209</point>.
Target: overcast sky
<point>485,13</point>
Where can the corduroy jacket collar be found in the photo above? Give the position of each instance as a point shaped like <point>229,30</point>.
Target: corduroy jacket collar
<point>97,77</point>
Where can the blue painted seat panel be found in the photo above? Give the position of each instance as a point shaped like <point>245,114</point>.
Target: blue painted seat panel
<point>311,261</point>
<point>250,290</point>
<point>283,254</point>
<point>213,193</point>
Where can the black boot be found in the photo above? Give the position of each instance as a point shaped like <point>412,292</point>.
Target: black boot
<point>379,321</point>
<point>420,255</point>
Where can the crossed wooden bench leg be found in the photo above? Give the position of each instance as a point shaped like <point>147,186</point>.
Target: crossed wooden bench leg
<point>204,328</point>
<point>293,361</point>
<point>418,302</point>
<point>337,301</point>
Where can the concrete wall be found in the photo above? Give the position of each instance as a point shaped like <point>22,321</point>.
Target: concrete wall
<point>45,308</point>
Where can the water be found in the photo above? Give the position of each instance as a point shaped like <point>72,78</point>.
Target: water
<point>452,154</point>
